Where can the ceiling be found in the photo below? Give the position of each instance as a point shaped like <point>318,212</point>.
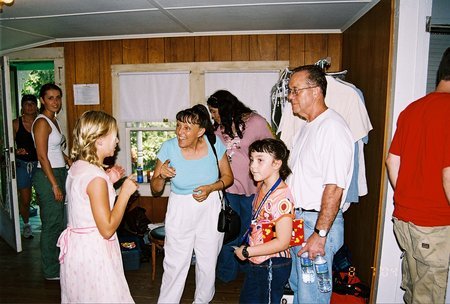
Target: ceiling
<point>30,23</point>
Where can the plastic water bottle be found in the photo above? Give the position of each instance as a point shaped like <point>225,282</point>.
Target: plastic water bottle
<point>308,273</point>
<point>140,175</point>
<point>323,275</point>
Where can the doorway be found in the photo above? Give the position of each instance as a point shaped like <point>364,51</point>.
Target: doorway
<point>27,77</point>
<point>39,59</point>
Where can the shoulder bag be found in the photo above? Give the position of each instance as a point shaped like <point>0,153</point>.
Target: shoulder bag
<point>229,220</point>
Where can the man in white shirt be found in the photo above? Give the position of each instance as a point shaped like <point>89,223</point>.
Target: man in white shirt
<point>322,166</point>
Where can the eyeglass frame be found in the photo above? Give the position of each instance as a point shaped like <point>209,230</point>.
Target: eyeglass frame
<point>296,91</point>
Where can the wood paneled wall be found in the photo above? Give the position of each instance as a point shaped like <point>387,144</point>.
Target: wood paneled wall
<point>90,61</point>
<point>367,56</point>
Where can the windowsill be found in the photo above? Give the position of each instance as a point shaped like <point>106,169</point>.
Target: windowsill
<point>144,189</point>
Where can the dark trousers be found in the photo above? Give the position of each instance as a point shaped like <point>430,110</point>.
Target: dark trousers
<point>264,283</point>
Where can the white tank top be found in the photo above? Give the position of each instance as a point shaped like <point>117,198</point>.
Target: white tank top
<point>55,141</point>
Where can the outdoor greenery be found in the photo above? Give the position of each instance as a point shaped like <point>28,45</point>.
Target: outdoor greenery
<point>35,80</point>
<point>151,142</point>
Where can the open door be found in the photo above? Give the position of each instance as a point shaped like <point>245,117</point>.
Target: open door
<point>9,211</point>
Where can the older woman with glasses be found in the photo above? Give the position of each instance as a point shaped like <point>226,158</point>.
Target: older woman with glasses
<point>196,164</point>
<point>50,177</point>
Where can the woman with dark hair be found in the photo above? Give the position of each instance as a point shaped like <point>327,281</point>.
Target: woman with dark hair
<point>237,126</point>
<point>50,178</point>
<point>190,164</point>
<point>26,158</point>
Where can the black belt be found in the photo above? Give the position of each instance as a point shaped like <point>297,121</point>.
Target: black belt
<point>306,210</point>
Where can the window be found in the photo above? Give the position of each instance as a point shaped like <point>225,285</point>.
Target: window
<point>145,140</point>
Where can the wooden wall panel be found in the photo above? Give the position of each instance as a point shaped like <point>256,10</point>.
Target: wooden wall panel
<point>296,50</point>
<point>155,50</point>
<point>315,48</point>
<point>69,64</point>
<point>282,47</point>
<point>334,50</point>
<point>263,47</point>
<point>202,49</point>
<point>179,49</point>
<point>366,47</point>
<point>240,48</point>
<point>105,76</point>
<point>87,69</point>
<point>155,207</point>
<point>116,51</point>
<point>220,48</point>
<point>134,51</point>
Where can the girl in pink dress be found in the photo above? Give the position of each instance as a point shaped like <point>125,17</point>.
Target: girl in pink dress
<point>90,258</point>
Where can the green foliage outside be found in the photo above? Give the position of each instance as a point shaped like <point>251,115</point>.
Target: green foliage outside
<point>151,143</point>
<point>36,79</point>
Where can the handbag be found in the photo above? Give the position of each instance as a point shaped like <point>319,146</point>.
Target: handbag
<point>229,220</point>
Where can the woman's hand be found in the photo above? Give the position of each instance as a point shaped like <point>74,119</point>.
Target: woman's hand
<point>129,186</point>
<point>167,171</point>
<point>59,196</point>
<point>238,253</point>
<point>201,193</point>
<point>21,151</point>
<point>115,173</point>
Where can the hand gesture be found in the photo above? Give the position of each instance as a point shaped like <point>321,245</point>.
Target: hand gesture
<point>115,173</point>
<point>129,186</point>
<point>166,171</point>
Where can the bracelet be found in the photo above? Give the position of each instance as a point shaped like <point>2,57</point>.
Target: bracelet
<point>55,186</point>
<point>223,184</point>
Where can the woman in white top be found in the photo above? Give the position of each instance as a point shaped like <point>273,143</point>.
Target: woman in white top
<point>50,177</point>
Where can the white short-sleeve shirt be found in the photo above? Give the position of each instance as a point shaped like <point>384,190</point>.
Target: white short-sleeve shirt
<point>322,154</point>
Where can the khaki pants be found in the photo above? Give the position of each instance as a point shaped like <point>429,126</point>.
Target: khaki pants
<point>425,262</point>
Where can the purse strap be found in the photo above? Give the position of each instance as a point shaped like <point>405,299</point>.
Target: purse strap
<point>263,201</point>
<point>212,141</point>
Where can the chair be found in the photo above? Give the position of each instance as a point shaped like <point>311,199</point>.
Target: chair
<point>156,236</point>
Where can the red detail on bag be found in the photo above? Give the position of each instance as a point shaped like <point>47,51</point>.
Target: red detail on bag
<point>348,288</point>
<point>268,232</point>
<point>346,299</point>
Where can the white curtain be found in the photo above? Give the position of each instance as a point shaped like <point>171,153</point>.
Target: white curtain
<point>152,96</point>
<point>252,88</point>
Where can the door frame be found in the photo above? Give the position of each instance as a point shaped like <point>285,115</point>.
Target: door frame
<point>55,54</point>
<point>10,225</point>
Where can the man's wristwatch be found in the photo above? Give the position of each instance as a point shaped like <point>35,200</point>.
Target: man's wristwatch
<point>322,232</point>
<point>245,252</point>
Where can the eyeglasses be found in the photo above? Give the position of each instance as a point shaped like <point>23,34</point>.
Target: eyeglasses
<point>296,91</point>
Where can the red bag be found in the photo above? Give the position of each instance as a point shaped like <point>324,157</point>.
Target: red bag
<point>348,288</point>
<point>268,232</point>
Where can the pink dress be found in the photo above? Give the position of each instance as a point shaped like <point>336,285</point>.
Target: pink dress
<point>91,266</point>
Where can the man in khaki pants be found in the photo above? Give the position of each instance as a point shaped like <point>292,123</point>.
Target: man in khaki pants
<point>419,171</point>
